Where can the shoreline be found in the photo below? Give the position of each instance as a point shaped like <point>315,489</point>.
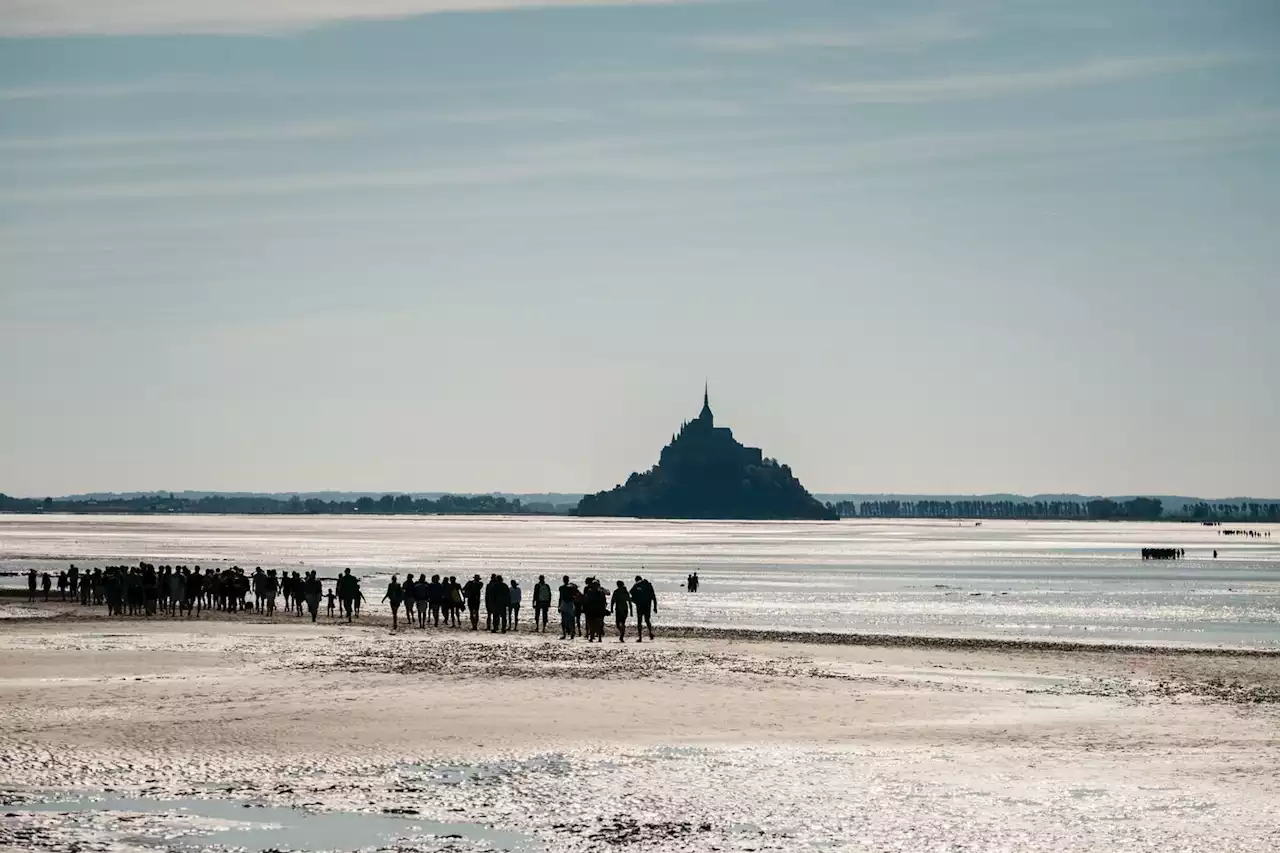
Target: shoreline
<point>71,613</point>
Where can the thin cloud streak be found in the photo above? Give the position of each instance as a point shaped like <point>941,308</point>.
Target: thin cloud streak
<point>52,18</point>
<point>907,35</point>
<point>372,125</point>
<point>622,160</point>
<point>961,87</point>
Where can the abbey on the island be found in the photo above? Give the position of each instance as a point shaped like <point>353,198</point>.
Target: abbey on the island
<point>705,473</point>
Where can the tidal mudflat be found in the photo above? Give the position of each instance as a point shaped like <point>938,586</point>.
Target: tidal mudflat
<point>1072,580</point>
<point>231,735</point>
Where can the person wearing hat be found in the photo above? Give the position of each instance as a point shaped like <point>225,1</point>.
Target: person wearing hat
<point>472,592</point>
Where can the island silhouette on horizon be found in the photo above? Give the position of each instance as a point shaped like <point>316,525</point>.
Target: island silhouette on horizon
<point>706,473</point>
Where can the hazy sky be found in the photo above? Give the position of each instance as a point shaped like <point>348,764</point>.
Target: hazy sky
<point>499,244</point>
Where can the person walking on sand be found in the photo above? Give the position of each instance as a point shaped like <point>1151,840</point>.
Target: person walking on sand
<point>195,593</point>
<point>31,585</point>
<point>435,599</point>
<point>490,602</point>
<point>177,591</point>
<point>595,605</point>
<point>568,609</point>
<point>541,602</point>
<point>455,603</point>
<point>346,592</point>
<point>422,599</point>
<point>46,583</point>
<point>646,602</point>
<point>395,595</point>
<point>473,592</point>
<point>312,590</point>
<point>407,589</point>
<point>513,609</point>
<point>620,604</point>
<point>501,600</point>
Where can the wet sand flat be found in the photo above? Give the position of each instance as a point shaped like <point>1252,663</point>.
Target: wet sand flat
<point>708,743</point>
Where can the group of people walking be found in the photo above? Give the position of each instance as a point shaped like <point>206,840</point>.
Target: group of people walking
<point>444,598</point>
<point>1164,553</point>
<point>146,589</point>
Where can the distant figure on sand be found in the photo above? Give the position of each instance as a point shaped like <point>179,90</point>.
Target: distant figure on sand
<point>620,604</point>
<point>312,590</point>
<point>646,603</point>
<point>31,585</point>
<point>514,594</point>
<point>568,608</point>
<point>541,602</point>
<point>394,595</point>
<point>472,592</point>
<point>346,592</point>
<point>595,605</point>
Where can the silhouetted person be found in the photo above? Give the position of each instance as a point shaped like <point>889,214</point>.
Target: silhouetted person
<point>473,592</point>
<point>501,601</point>
<point>454,593</point>
<point>31,585</point>
<point>490,603</point>
<point>177,592</point>
<point>646,603</point>
<point>514,594</point>
<point>435,599</point>
<point>620,604</point>
<point>541,602</point>
<point>346,592</point>
<point>421,595</point>
<point>567,605</point>
<point>394,595</point>
<point>195,592</point>
<point>595,605</point>
<point>313,589</point>
<point>62,586</point>
<point>46,583</point>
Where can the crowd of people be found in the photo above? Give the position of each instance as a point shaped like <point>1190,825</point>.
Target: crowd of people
<point>182,591</point>
<point>439,598</point>
<point>146,589</point>
<point>1164,553</point>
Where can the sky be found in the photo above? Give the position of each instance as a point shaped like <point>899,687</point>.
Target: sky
<point>930,246</point>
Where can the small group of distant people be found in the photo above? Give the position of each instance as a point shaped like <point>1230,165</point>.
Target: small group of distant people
<point>444,598</point>
<point>1164,553</point>
<point>692,582</point>
<point>146,589</point>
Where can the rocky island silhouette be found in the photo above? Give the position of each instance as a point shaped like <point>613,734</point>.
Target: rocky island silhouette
<point>706,473</point>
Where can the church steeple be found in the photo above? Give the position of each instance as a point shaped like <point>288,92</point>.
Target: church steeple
<point>705,414</point>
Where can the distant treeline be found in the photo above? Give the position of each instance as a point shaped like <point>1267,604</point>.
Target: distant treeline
<point>1101,509</point>
<point>263,505</point>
